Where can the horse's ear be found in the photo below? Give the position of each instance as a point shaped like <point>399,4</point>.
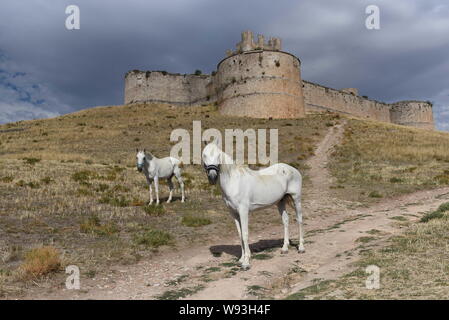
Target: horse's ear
<point>144,150</point>
<point>205,142</point>
<point>137,150</point>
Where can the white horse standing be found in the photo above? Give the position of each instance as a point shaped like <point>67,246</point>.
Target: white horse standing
<point>155,169</point>
<point>245,190</point>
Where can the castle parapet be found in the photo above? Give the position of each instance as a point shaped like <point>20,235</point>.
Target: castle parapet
<point>248,44</point>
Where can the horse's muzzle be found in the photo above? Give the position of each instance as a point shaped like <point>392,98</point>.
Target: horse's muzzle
<point>212,176</point>
<point>212,173</point>
<point>139,169</point>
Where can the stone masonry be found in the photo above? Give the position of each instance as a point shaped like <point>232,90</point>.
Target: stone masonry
<point>259,80</point>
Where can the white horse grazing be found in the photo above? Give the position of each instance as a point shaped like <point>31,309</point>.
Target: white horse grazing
<point>245,190</point>
<point>155,169</point>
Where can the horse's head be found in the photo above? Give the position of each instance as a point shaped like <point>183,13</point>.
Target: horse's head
<point>212,160</point>
<point>141,158</point>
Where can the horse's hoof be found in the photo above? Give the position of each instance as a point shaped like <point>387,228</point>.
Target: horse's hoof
<point>284,251</point>
<point>301,250</point>
<point>245,267</point>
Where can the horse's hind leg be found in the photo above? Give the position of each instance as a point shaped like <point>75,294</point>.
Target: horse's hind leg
<point>170,187</point>
<point>284,214</point>
<point>178,176</point>
<point>297,203</point>
<point>156,188</point>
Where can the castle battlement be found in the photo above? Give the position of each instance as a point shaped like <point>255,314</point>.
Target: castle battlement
<point>260,80</point>
<point>248,44</point>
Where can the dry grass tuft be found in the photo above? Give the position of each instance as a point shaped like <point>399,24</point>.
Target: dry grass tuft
<point>40,261</point>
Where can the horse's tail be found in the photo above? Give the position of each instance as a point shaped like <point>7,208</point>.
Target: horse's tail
<point>287,198</point>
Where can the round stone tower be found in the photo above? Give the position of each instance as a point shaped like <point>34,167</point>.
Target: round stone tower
<point>413,113</point>
<point>259,80</point>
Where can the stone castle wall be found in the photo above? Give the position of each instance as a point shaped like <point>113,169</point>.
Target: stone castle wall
<point>163,87</point>
<point>318,98</point>
<point>261,81</point>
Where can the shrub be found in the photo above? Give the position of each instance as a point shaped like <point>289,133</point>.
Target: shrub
<point>47,180</point>
<point>375,194</point>
<point>437,214</point>
<point>102,187</point>
<point>7,179</point>
<point>41,261</point>
<point>31,161</point>
<point>84,192</point>
<point>154,238</point>
<point>119,201</point>
<point>92,225</point>
<point>157,210</point>
<point>432,215</point>
<point>191,220</point>
<point>83,175</point>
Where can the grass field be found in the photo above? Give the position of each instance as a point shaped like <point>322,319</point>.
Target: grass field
<point>377,160</point>
<point>70,192</point>
<point>70,183</point>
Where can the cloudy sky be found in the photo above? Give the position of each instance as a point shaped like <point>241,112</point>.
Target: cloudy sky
<point>47,70</point>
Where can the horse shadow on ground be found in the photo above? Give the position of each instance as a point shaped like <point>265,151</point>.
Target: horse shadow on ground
<point>173,199</point>
<point>259,246</point>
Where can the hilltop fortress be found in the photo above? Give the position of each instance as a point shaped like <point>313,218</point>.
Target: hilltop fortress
<point>259,80</point>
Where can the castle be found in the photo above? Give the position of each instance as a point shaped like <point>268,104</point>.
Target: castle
<point>260,80</point>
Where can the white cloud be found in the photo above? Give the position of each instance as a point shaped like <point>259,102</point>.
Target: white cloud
<point>25,111</point>
<point>22,97</point>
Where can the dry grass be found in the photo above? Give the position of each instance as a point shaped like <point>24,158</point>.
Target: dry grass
<point>39,262</point>
<point>71,182</point>
<point>378,160</point>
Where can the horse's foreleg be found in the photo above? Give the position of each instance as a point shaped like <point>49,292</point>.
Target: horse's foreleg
<point>151,191</point>
<point>239,230</point>
<point>284,215</point>
<point>299,218</point>
<point>243,213</point>
<point>156,187</point>
<point>170,187</point>
<point>181,184</point>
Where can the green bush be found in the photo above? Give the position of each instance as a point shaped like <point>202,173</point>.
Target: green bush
<point>437,214</point>
<point>156,210</point>
<point>154,238</point>
<point>191,220</point>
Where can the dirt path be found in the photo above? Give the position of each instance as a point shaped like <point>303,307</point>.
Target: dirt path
<point>210,272</point>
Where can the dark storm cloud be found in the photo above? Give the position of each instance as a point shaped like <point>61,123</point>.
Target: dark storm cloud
<point>406,59</point>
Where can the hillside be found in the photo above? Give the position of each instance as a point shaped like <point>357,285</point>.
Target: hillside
<point>70,183</point>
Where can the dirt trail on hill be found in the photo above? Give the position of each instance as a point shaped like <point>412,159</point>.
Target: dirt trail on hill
<point>332,227</point>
